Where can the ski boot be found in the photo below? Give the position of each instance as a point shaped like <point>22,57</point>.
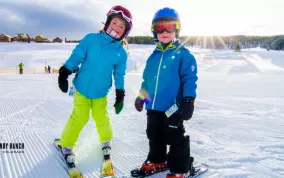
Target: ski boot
<point>106,148</point>
<point>177,175</point>
<point>190,173</point>
<point>69,156</point>
<point>149,168</point>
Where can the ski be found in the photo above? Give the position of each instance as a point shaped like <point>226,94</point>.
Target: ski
<point>107,170</point>
<point>198,170</point>
<point>72,170</point>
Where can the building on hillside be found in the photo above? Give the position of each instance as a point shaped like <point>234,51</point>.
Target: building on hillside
<point>26,38</point>
<point>57,40</point>
<point>5,38</point>
<point>41,39</point>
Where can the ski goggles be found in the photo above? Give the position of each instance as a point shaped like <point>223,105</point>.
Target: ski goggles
<point>124,12</point>
<point>161,27</point>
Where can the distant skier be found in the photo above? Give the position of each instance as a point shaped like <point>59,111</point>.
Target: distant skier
<point>21,70</point>
<point>48,68</point>
<point>101,55</point>
<point>169,90</point>
<point>45,69</point>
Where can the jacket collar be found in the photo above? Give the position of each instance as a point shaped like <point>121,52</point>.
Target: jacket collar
<point>176,46</point>
<point>161,47</point>
<point>110,39</point>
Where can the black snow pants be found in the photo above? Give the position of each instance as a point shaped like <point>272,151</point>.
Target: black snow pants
<point>162,131</point>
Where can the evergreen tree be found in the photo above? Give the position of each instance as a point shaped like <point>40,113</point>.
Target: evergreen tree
<point>238,48</point>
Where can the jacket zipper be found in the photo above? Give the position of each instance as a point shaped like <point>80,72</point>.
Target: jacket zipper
<point>157,81</point>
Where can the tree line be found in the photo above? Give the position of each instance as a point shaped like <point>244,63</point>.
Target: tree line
<point>222,42</point>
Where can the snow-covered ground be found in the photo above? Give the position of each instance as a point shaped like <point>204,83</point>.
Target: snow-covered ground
<point>237,128</point>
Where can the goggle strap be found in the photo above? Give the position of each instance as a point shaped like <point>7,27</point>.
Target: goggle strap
<point>178,25</point>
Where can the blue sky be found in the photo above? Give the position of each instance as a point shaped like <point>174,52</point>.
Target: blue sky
<point>75,18</point>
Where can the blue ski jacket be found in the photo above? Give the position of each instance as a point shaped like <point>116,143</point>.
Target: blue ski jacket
<point>170,74</point>
<point>100,57</point>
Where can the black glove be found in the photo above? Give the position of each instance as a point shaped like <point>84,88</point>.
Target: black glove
<point>139,103</point>
<point>186,108</point>
<point>62,79</point>
<point>119,100</point>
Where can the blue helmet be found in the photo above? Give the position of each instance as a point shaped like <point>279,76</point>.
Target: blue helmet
<point>166,14</point>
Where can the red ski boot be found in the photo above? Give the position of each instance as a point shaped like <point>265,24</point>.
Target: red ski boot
<point>149,168</point>
<point>177,175</point>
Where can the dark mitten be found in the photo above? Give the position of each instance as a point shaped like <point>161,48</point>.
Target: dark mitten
<point>139,103</point>
<point>186,108</point>
<point>119,100</point>
<point>62,79</point>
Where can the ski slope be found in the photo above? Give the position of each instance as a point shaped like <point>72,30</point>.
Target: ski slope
<point>237,127</point>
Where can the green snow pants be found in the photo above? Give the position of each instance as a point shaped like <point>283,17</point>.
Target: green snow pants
<point>80,116</point>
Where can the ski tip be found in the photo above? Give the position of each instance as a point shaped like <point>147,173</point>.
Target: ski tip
<point>57,139</point>
<point>200,169</point>
<point>57,142</point>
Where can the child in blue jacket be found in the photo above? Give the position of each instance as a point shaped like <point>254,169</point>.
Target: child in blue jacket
<point>168,90</point>
<point>100,55</point>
